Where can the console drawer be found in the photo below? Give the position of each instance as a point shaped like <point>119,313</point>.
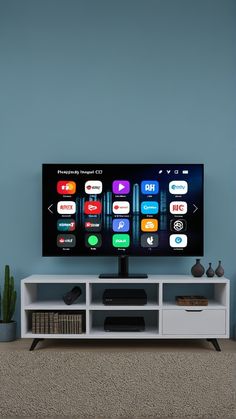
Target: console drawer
<point>192,322</point>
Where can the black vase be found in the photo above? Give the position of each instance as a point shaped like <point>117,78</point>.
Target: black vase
<point>210,272</point>
<point>219,270</point>
<point>197,270</point>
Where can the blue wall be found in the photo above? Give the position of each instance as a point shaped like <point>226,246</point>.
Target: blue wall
<point>115,81</point>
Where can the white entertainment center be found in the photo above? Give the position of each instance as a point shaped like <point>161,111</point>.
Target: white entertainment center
<point>164,319</point>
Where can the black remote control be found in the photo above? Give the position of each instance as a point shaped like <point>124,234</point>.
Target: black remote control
<point>70,297</point>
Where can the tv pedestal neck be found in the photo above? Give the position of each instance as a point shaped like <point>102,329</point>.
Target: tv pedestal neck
<point>164,319</point>
<point>123,270</point>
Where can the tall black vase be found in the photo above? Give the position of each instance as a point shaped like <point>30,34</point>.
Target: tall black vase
<point>219,270</point>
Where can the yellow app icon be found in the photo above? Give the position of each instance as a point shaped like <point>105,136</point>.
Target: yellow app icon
<point>149,224</point>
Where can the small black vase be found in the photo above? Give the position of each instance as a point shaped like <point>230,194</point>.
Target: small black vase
<point>197,270</point>
<point>210,272</point>
<point>219,270</point>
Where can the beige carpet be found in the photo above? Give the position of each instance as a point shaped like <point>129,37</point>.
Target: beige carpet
<point>117,384</point>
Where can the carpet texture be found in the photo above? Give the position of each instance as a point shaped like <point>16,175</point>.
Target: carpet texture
<point>117,384</point>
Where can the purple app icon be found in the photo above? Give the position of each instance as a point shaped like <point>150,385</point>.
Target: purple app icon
<point>121,187</point>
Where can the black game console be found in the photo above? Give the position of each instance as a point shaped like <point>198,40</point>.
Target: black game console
<point>124,324</point>
<point>120,297</point>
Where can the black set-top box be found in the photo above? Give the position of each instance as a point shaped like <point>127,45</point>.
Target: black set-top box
<point>123,296</point>
<point>124,324</point>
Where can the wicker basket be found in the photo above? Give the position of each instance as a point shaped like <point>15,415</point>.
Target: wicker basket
<point>191,300</point>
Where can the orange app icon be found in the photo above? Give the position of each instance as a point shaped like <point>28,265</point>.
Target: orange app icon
<point>66,187</point>
<point>149,224</point>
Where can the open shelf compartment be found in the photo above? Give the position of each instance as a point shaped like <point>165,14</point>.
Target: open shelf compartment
<point>48,296</point>
<point>97,318</point>
<point>215,293</point>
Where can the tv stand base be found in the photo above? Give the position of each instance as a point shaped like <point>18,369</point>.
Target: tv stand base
<point>214,342</point>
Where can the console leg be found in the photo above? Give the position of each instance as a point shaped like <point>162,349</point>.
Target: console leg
<point>35,343</point>
<point>215,344</point>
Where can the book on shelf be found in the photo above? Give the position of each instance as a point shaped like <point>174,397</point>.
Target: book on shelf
<point>33,322</point>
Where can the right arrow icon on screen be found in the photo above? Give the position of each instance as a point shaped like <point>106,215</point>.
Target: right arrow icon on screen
<point>195,208</point>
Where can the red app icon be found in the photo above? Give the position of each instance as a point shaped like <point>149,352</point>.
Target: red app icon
<point>92,207</point>
<point>66,187</point>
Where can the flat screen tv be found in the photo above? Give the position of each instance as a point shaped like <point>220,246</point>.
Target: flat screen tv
<point>123,210</point>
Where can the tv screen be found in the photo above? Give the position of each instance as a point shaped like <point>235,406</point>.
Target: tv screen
<point>122,209</point>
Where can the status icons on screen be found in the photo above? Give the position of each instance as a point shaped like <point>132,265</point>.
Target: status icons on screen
<point>66,187</point>
<point>92,207</point>
<point>121,207</point>
<point>93,187</point>
<point>149,207</point>
<point>120,225</point>
<point>93,240</point>
<point>121,187</point>
<point>149,224</point>
<point>65,224</point>
<point>149,240</point>
<point>178,207</point>
<point>66,207</point>
<point>178,240</point>
<point>149,187</point>
<point>178,187</point>
<point>121,240</point>
<point>66,240</point>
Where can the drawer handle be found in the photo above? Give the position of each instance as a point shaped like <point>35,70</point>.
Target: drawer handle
<point>193,311</point>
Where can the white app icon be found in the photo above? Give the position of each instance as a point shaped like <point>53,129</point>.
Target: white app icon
<point>178,240</point>
<point>121,207</point>
<point>178,187</point>
<point>66,207</point>
<point>93,187</point>
<point>178,207</point>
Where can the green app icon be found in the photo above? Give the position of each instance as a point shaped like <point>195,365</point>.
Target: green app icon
<point>121,240</point>
<point>93,240</point>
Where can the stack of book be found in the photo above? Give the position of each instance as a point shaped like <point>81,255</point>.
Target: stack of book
<point>53,322</point>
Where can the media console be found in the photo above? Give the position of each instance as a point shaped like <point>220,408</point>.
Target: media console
<point>164,319</point>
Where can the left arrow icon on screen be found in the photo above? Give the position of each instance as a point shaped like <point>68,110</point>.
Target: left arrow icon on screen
<point>49,208</point>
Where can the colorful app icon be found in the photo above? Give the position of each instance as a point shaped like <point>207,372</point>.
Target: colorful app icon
<point>93,187</point>
<point>66,187</point>
<point>93,240</point>
<point>121,240</point>
<point>120,225</point>
<point>178,207</point>
<point>121,187</point>
<point>149,224</point>
<point>65,224</point>
<point>121,207</point>
<point>66,207</point>
<point>178,224</point>
<point>92,207</point>
<point>149,207</point>
<point>149,187</point>
<point>149,240</point>
<point>178,240</point>
<point>93,224</point>
<point>178,187</point>
<point>66,240</point>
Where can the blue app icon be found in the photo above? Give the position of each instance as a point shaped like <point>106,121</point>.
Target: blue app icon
<point>149,187</point>
<point>120,225</point>
<point>149,207</point>
<point>178,240</point>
